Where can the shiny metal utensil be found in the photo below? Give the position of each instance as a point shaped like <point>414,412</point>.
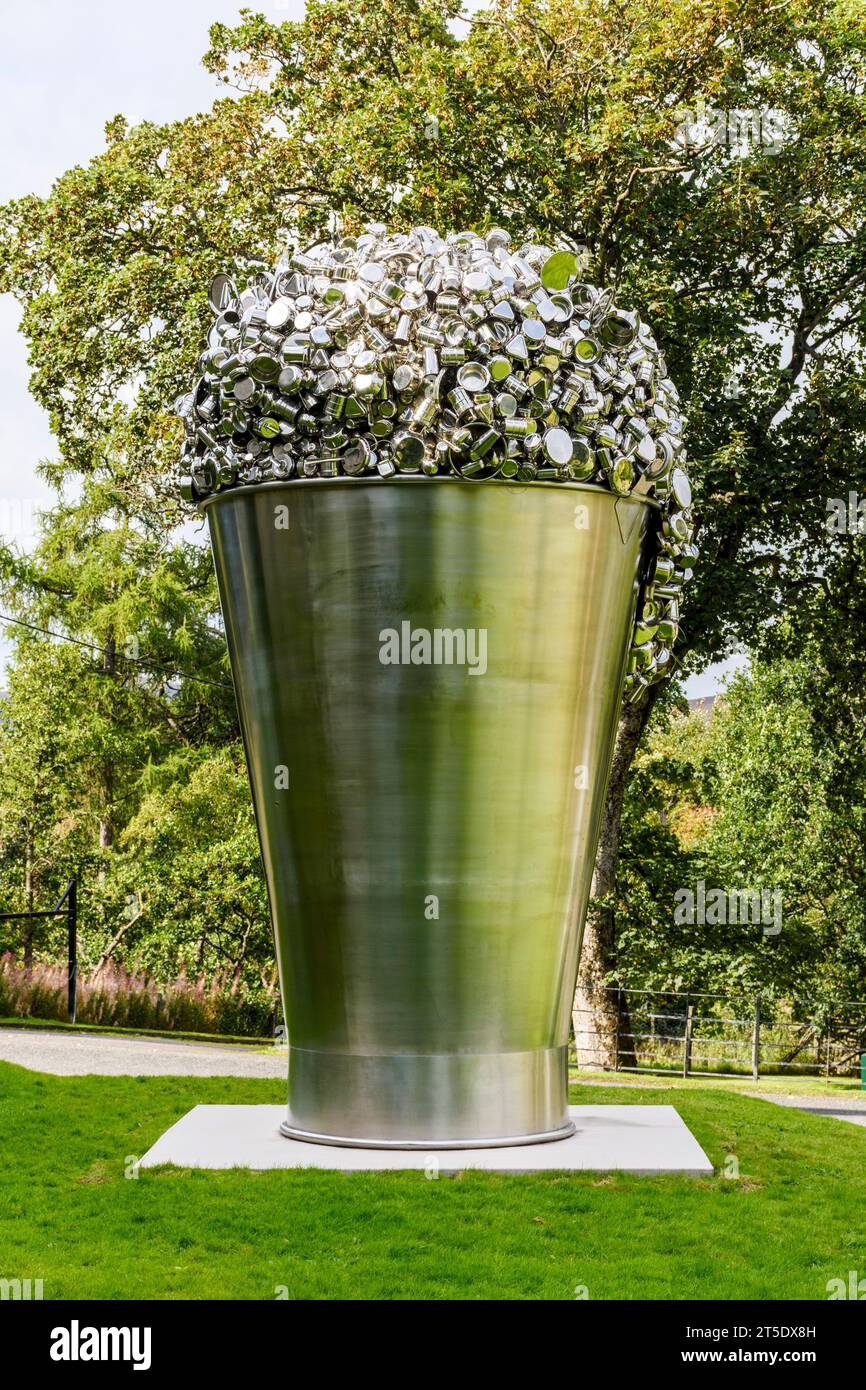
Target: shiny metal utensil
<point>405,353</point>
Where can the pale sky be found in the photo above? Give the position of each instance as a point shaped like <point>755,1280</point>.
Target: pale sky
<point>65,69</point>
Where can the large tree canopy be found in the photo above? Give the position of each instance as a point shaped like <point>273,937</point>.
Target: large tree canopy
<point>708,154</point>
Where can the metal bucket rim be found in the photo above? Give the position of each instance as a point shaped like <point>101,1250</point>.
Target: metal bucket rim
<point>408,480</point>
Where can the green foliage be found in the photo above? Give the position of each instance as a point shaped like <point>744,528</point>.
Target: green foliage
<point>46,822</point>
<point>556,119</point>
<point>191,856</point>
<point>654,862</point>
<point>116,998</point>
<point>758,807</point>
<point>781,824</point>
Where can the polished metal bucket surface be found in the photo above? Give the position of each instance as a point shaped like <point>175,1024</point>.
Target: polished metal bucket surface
<point>428,676</point>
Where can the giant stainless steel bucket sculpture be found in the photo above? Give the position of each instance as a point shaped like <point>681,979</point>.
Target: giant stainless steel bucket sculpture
<point>428,675</point>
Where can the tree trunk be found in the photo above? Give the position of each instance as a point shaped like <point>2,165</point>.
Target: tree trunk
<point>116,939</point>
<point>599,1016</point>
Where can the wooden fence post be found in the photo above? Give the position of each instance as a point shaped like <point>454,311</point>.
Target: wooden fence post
<point>756,1039</point>
<point>687,1039</point>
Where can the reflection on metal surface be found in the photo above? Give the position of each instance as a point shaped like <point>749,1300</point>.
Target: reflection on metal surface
<point>403,352</point>
<point>429,861</point>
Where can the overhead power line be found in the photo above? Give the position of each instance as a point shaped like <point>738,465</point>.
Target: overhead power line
<point>121,656</point>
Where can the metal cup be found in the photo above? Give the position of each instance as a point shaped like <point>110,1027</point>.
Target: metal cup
<point>429,865</point>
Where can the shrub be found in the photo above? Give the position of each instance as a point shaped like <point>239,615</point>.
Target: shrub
<point>119,998</point>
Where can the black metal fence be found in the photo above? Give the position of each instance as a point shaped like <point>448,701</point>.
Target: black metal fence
<point>721,1035</point>
<point>66,906</point>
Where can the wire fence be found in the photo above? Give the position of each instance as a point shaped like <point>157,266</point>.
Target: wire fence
<point>720,1035</point>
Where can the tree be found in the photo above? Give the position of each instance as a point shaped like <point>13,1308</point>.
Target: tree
<point>762,765</point>
<point>189,866</point>
<point>557,120</point>
<point>39,771</point>
<point>86,718</point>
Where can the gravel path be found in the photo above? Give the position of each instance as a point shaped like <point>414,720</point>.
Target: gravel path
<point>88,1054</point>
<point>851,1108</point>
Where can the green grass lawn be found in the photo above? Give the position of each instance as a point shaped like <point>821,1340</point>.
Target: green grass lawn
<point>793,1219</point>
<point>828,1089</point>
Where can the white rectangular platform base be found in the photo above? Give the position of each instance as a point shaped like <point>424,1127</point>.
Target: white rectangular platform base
<point>643,1139</point>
